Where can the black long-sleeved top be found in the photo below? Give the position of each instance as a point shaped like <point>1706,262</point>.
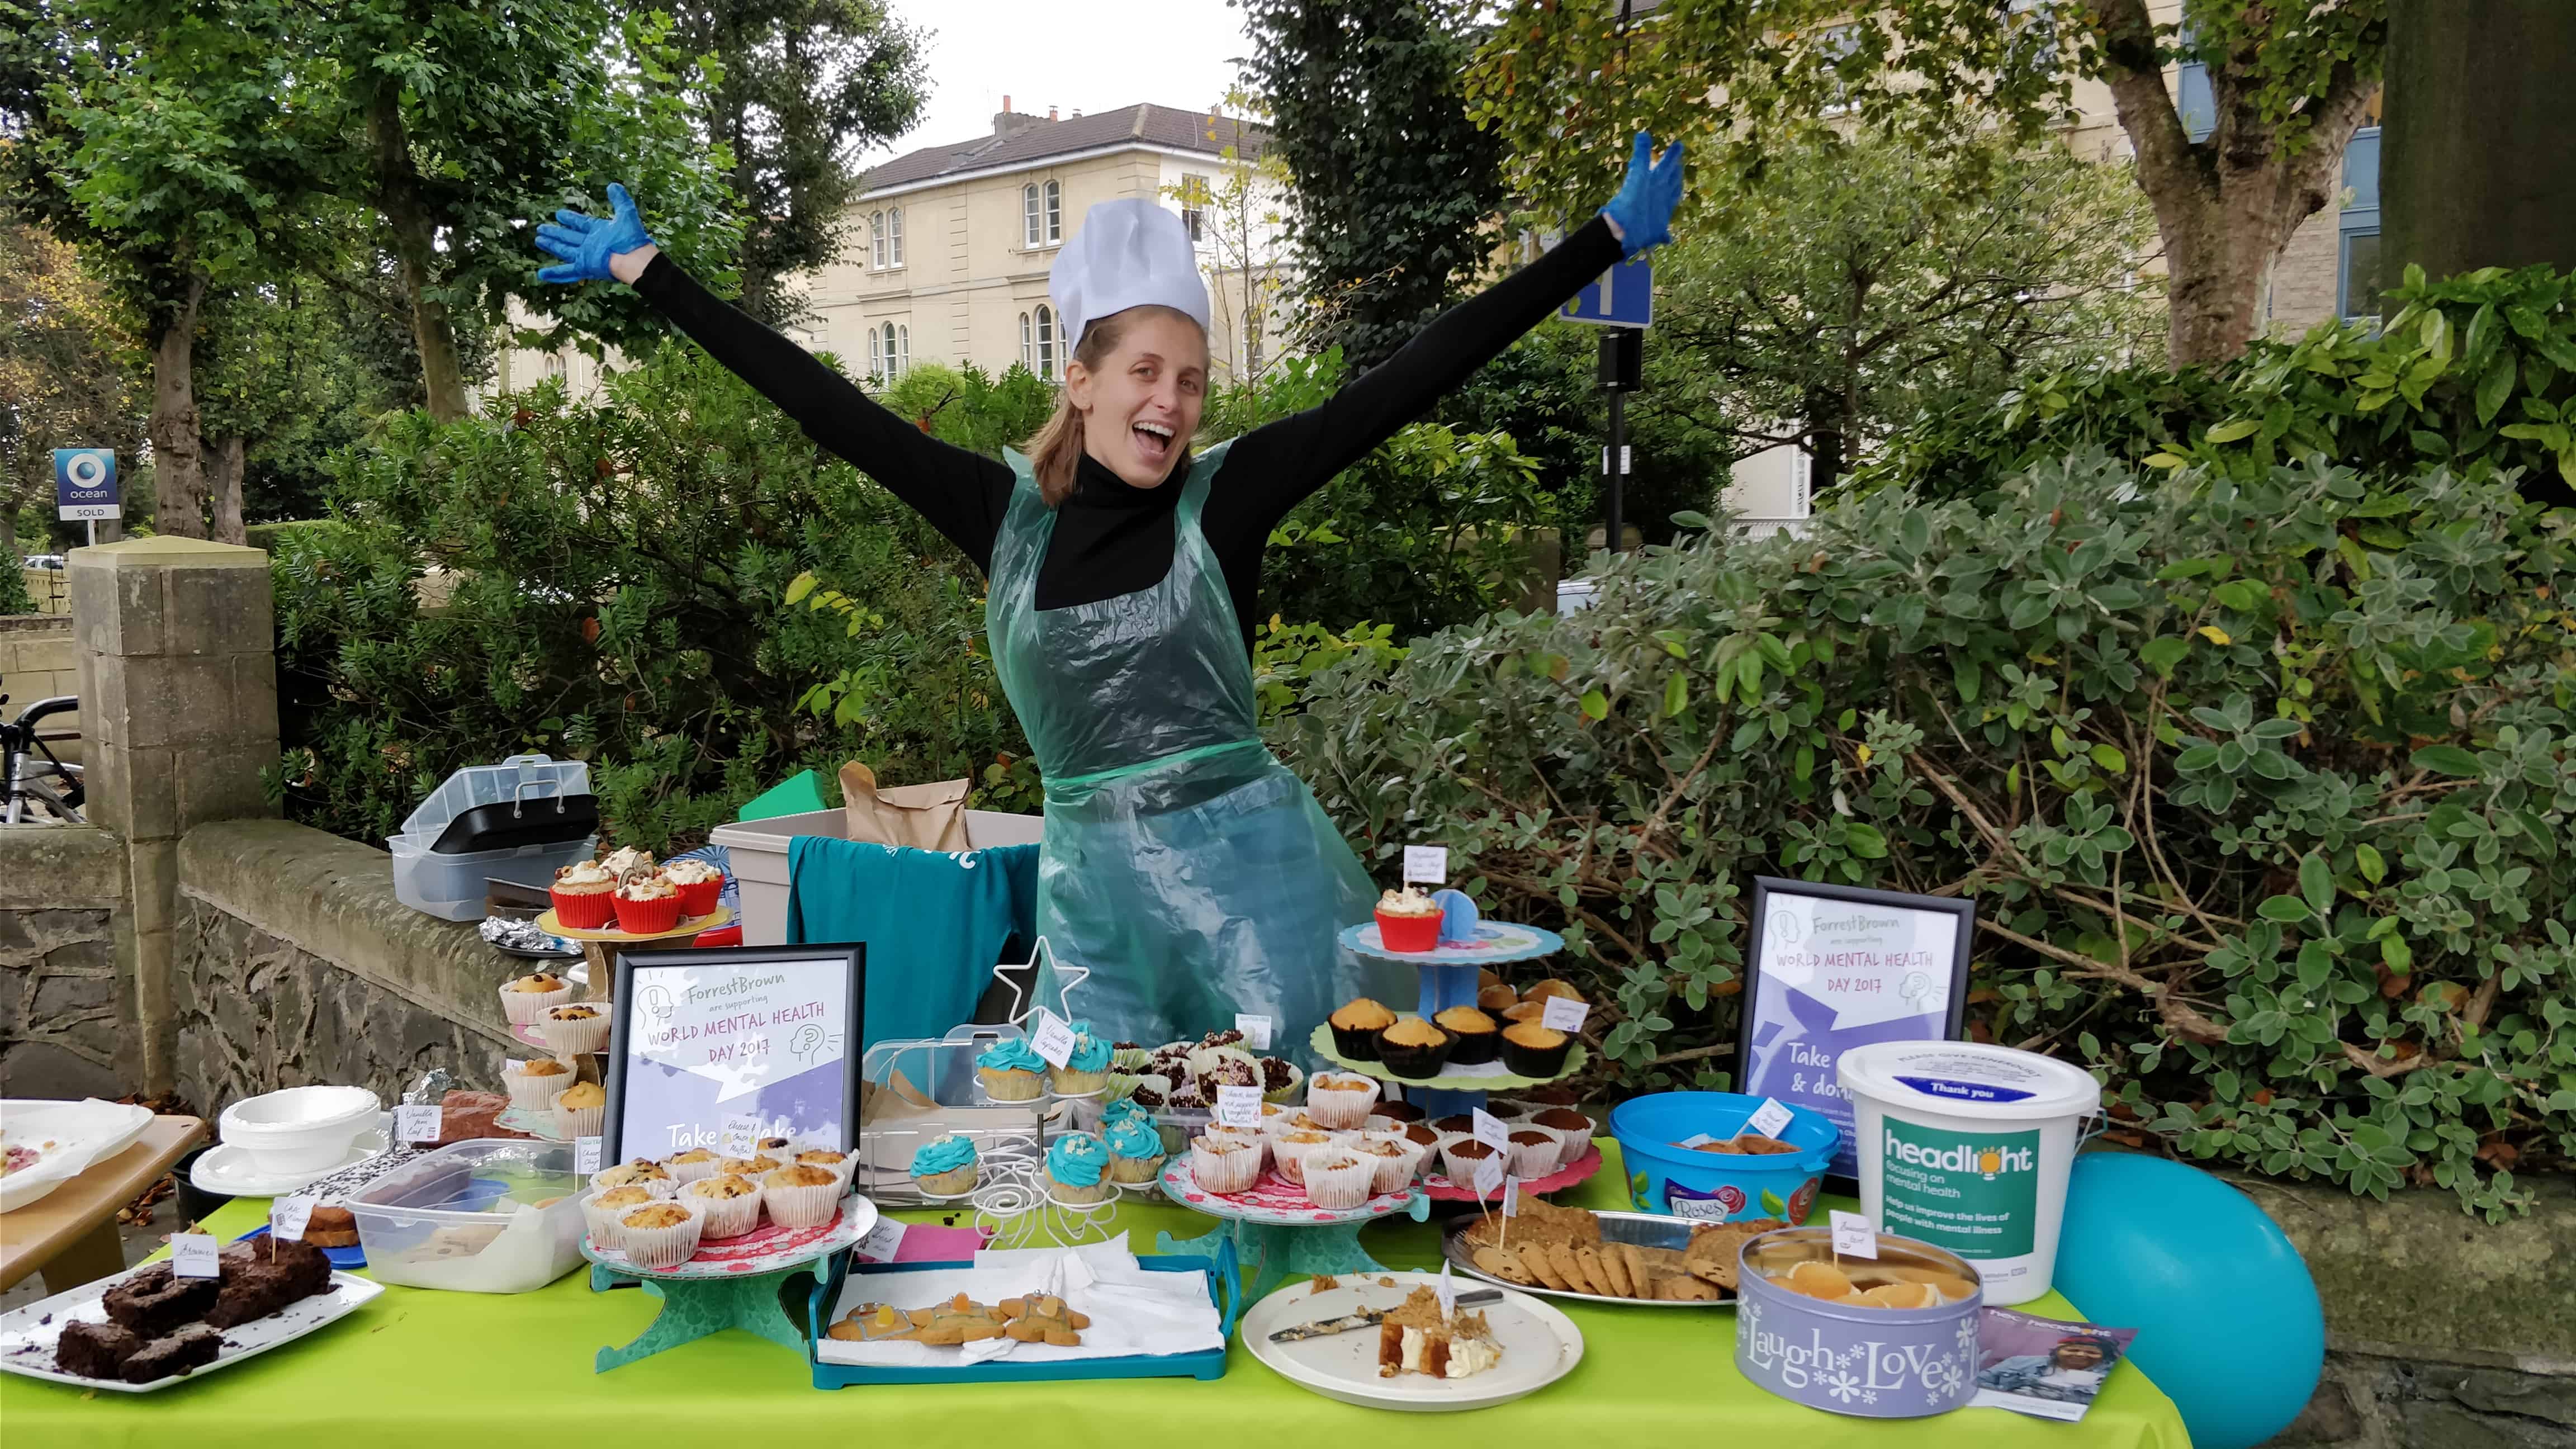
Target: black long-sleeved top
<point>1111,537</point>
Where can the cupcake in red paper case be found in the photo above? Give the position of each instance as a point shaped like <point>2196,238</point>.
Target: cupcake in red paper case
<point>699,884</point>
<point>647,905</point>
<point>1408,920</point>
<point>581,896</point>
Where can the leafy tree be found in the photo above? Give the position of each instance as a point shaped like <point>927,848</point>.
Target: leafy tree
<point>68,366</point>
<point>800,89</point>
<point>468,122</point>
<point>970,407</point>
<point>1869,281</point>
<point>1241,224</point>
<point>1565,85</point>
<point>177,145</point>
<point>1393,182</point>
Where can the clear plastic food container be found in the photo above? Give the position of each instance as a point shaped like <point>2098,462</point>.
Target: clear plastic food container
<point>486,1216</point>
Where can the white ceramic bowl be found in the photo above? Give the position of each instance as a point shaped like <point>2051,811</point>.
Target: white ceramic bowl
<point>302,1129</point>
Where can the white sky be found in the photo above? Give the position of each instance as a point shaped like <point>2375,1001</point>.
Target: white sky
<point>1086,55</point>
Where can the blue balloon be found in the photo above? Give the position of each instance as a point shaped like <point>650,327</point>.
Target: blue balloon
<point>2228,1320</point>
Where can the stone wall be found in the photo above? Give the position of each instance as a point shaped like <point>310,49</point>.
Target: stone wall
<point>2444,1331</point>
<point>60,911</point>
<point>295,964</point>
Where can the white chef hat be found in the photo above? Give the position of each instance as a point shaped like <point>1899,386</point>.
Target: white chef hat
<point>1127,253</point>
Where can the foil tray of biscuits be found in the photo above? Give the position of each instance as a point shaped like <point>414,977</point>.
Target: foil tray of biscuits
<point>1645,1260</point>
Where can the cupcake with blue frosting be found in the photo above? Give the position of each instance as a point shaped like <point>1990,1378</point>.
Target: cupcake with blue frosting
<point>1011,1070</point>
<point>1135,1151</point>
<point>1086,1070</point>
<point>945,1166</point>
<point>1077,1170</point>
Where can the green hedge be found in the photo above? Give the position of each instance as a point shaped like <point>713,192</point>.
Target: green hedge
<point>2262,780</point>
<point>2477,372</point>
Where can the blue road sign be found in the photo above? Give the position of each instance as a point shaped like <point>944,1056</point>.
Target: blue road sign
<point>85,484</point>
<point>1623,296</point>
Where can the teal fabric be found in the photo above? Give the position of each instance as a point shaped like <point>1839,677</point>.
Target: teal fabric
<point>935,923</point>
<point>1185,867</point>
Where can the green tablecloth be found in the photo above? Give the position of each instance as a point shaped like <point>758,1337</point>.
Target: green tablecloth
<point>417,1369</point>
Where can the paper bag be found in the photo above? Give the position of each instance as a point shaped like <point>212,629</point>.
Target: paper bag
<point>925,817</point>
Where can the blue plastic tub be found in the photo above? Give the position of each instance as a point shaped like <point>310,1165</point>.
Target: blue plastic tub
<point>1719,1187</point>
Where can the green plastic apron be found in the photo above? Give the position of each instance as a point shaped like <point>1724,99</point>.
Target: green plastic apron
<point>1182,864</point>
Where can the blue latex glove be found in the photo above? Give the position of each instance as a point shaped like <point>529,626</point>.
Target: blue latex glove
<point>587,242</point>
<point>1643,209</point>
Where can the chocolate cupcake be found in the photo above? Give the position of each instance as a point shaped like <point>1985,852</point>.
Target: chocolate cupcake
<point>1532,1050</point>
<point>1411,1047</point>
<point>1402,1112</point>
<point>1474,1036</point>
<point>1356,1027</point>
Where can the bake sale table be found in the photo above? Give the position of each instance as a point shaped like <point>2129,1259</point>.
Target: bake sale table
<point>417,1369</point>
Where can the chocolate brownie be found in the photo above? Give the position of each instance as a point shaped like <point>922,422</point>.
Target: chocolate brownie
<point>156,1300</point>
<point>194,1346</point>
<point>264,1275</point>
<point>95,1350</point>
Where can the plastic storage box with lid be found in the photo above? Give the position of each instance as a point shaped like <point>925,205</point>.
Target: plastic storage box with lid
<point>519,820</point>
<point>485,1216</point>
<point>758,852</point>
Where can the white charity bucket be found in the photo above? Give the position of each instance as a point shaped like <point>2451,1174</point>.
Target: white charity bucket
<point>1967,1147</point>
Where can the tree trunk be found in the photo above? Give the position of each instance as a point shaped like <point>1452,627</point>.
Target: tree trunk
<point>223,462</point>
<point>178,476</point>
<point>415,229</point>
<point>1828,423</point>
<point>2478,162</point>
<point>2226,205</point>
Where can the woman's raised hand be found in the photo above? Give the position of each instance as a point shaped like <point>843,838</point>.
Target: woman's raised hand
<point>1642,212</point>
<point>586,243</point>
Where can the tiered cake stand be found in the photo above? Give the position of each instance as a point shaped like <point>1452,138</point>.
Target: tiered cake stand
<point>1449,979</point>
<point>1277,1231</point>
<point>599,950</point>
<point>731,1283</point>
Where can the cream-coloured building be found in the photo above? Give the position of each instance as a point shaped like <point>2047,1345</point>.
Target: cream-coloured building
<point>952,244</point>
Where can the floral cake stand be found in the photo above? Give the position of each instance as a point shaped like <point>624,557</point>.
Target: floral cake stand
<point>1449,979</point>
<point>731,1283</point>
<point>1277,1231</point>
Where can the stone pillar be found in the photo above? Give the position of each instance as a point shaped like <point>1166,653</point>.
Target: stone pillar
<point>178,683</point>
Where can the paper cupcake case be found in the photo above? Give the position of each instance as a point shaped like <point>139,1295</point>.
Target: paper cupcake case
<point>528,1008</point>
<point>580,1121</point>
<point>569,1038</point>
<point>688,1172</point>
<point>668,1247</point>
<point>584,910</point>
<point>726,1217</point>
<point>536,1093</point>
<point>1339,1178</point>
<point>801,1207</point>
<point>1341,1106</point>
<point>1226,1172</point>
<point>647,917</point>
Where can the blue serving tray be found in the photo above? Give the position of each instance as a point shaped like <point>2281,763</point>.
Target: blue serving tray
<point>1225,1289</point>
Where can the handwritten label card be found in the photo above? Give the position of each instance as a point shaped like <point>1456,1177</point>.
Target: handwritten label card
<point>1564,1013</point>
<point>1239,1107</point>
<point>1426,863</point>
<point>1696,1139</point>
<point>1489,1177</point>
<point>1052,1040</point>
<point>416,1122</point>
<point>741,1133</point>
<point>287,1217</point>
<point>883,1241</point>
<point>1768,1120</point>
<point>1447,1290</point>
<point>192,1255</point>
<point>1491,1131</point>
<point>1853,1236</point>
<point>585,1155</point>
<point>1511,1197</point>
<point>1256,1031</point>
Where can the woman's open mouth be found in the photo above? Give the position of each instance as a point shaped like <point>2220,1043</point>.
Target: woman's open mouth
<point>1153,441</point>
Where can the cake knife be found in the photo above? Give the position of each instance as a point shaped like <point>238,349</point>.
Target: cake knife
<point>1371,1318</point>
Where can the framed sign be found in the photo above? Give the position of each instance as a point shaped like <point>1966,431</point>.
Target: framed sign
<point>759,1039</point>
<point>1831,967</point>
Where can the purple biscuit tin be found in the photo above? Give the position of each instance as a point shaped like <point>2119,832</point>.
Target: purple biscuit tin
<point>1875,1363</point>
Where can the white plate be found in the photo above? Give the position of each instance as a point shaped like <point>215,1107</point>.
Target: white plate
<point>87,1132</point>
<point>28,1335</point>
<point>228,1171</point>
<point>1540,1345</point>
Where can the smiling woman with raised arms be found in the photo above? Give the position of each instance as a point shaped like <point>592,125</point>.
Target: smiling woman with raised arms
<point>1190,871</point>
